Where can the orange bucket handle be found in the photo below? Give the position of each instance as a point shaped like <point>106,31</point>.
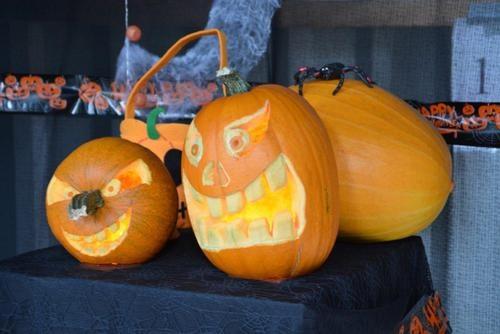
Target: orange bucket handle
<point>172,52</point>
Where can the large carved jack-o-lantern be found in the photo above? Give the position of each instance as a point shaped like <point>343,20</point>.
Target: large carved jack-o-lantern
<point>111,202</point>
<point>161,138</point>
<point>260,183</point>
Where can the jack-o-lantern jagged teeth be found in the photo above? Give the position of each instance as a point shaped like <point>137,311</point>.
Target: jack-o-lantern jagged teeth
<point>89,239</point>
<point>102,242</point>
<point>236,233</point>
<point>215,238</point>
<point>234,202</point>
<point>101,236</point>
<point>196,195</point>
<point>254,191</point>
<point>246,218</point>
<point>258,230</point>
<point>276,174</point>
<point>215,207</point>
<point>283,228</point>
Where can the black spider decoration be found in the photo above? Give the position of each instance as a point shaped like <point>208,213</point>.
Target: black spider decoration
<point>330,72</point>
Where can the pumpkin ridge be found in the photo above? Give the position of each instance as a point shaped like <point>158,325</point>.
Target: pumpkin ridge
<point>410,148</point>
<point>384,120</point>
<point>358,91</point>
<point>436,138</point>
<point>426,149</point>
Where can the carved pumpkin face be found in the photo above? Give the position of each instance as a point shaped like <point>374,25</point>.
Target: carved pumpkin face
<point>111,201</point>
<point>58,103</point>
<point>48,91</point>
<point>17,93</point>
<point>261,184</point>
<point>31,82</point>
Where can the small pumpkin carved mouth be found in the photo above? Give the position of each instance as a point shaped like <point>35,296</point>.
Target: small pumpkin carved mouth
<point>104,241</point>
<point>270,210</point>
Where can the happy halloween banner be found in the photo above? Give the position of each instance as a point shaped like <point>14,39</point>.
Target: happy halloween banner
<point>462,123</point>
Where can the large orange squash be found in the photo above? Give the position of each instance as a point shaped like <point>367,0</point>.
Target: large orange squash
<point>111,201</point>
<point>394,168</point>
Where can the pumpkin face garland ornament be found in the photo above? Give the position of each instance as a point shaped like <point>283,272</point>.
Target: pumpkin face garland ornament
<point>260,182</point>
<point>111,202</point>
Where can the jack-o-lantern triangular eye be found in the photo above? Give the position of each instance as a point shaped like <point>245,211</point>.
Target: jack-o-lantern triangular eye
<point>132,176</point>
<point>251,129</point>
<point>58,191</point>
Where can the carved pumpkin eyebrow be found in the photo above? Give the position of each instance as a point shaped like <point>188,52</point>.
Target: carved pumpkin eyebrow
<point>255,124</point>
<point>135,174</point>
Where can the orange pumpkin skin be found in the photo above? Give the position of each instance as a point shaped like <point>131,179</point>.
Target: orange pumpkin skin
<point>140,203</point>
<point>394,167</point>
<point>283,128</point>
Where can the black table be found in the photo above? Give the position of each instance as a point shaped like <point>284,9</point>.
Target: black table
<point>362,288</point>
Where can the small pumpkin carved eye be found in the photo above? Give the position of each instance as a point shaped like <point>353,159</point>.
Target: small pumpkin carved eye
<point>112,188</point>
<point>58,191</point>
<point>194,145</point>
<point>236,141</point>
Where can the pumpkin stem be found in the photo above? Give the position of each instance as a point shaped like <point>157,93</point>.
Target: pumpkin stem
<point>234,83</point>
<point>151,123</point>
<point>85,204</point>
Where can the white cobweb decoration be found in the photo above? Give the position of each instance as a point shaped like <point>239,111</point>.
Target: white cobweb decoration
<point>247,25</point>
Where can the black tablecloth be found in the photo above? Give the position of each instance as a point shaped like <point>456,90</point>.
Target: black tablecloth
<point>362,288</point>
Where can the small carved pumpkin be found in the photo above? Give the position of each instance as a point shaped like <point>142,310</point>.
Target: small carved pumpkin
<point>17,93</point>
<point>10,80</point>
<point>48,91</point>
<point>32,82</point>
<point>111,201</point>
<point>58,103</point>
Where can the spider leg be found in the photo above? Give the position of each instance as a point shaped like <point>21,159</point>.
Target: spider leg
<point>363,76</point>
<point>340,84</point>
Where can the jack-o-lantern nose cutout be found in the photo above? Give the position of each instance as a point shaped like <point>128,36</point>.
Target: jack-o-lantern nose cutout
<point>111,201</point>
<point>214,174</point>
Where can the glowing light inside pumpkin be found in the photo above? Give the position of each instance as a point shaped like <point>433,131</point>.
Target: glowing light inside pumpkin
<point>103,242</point>
<point>270,210</point>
